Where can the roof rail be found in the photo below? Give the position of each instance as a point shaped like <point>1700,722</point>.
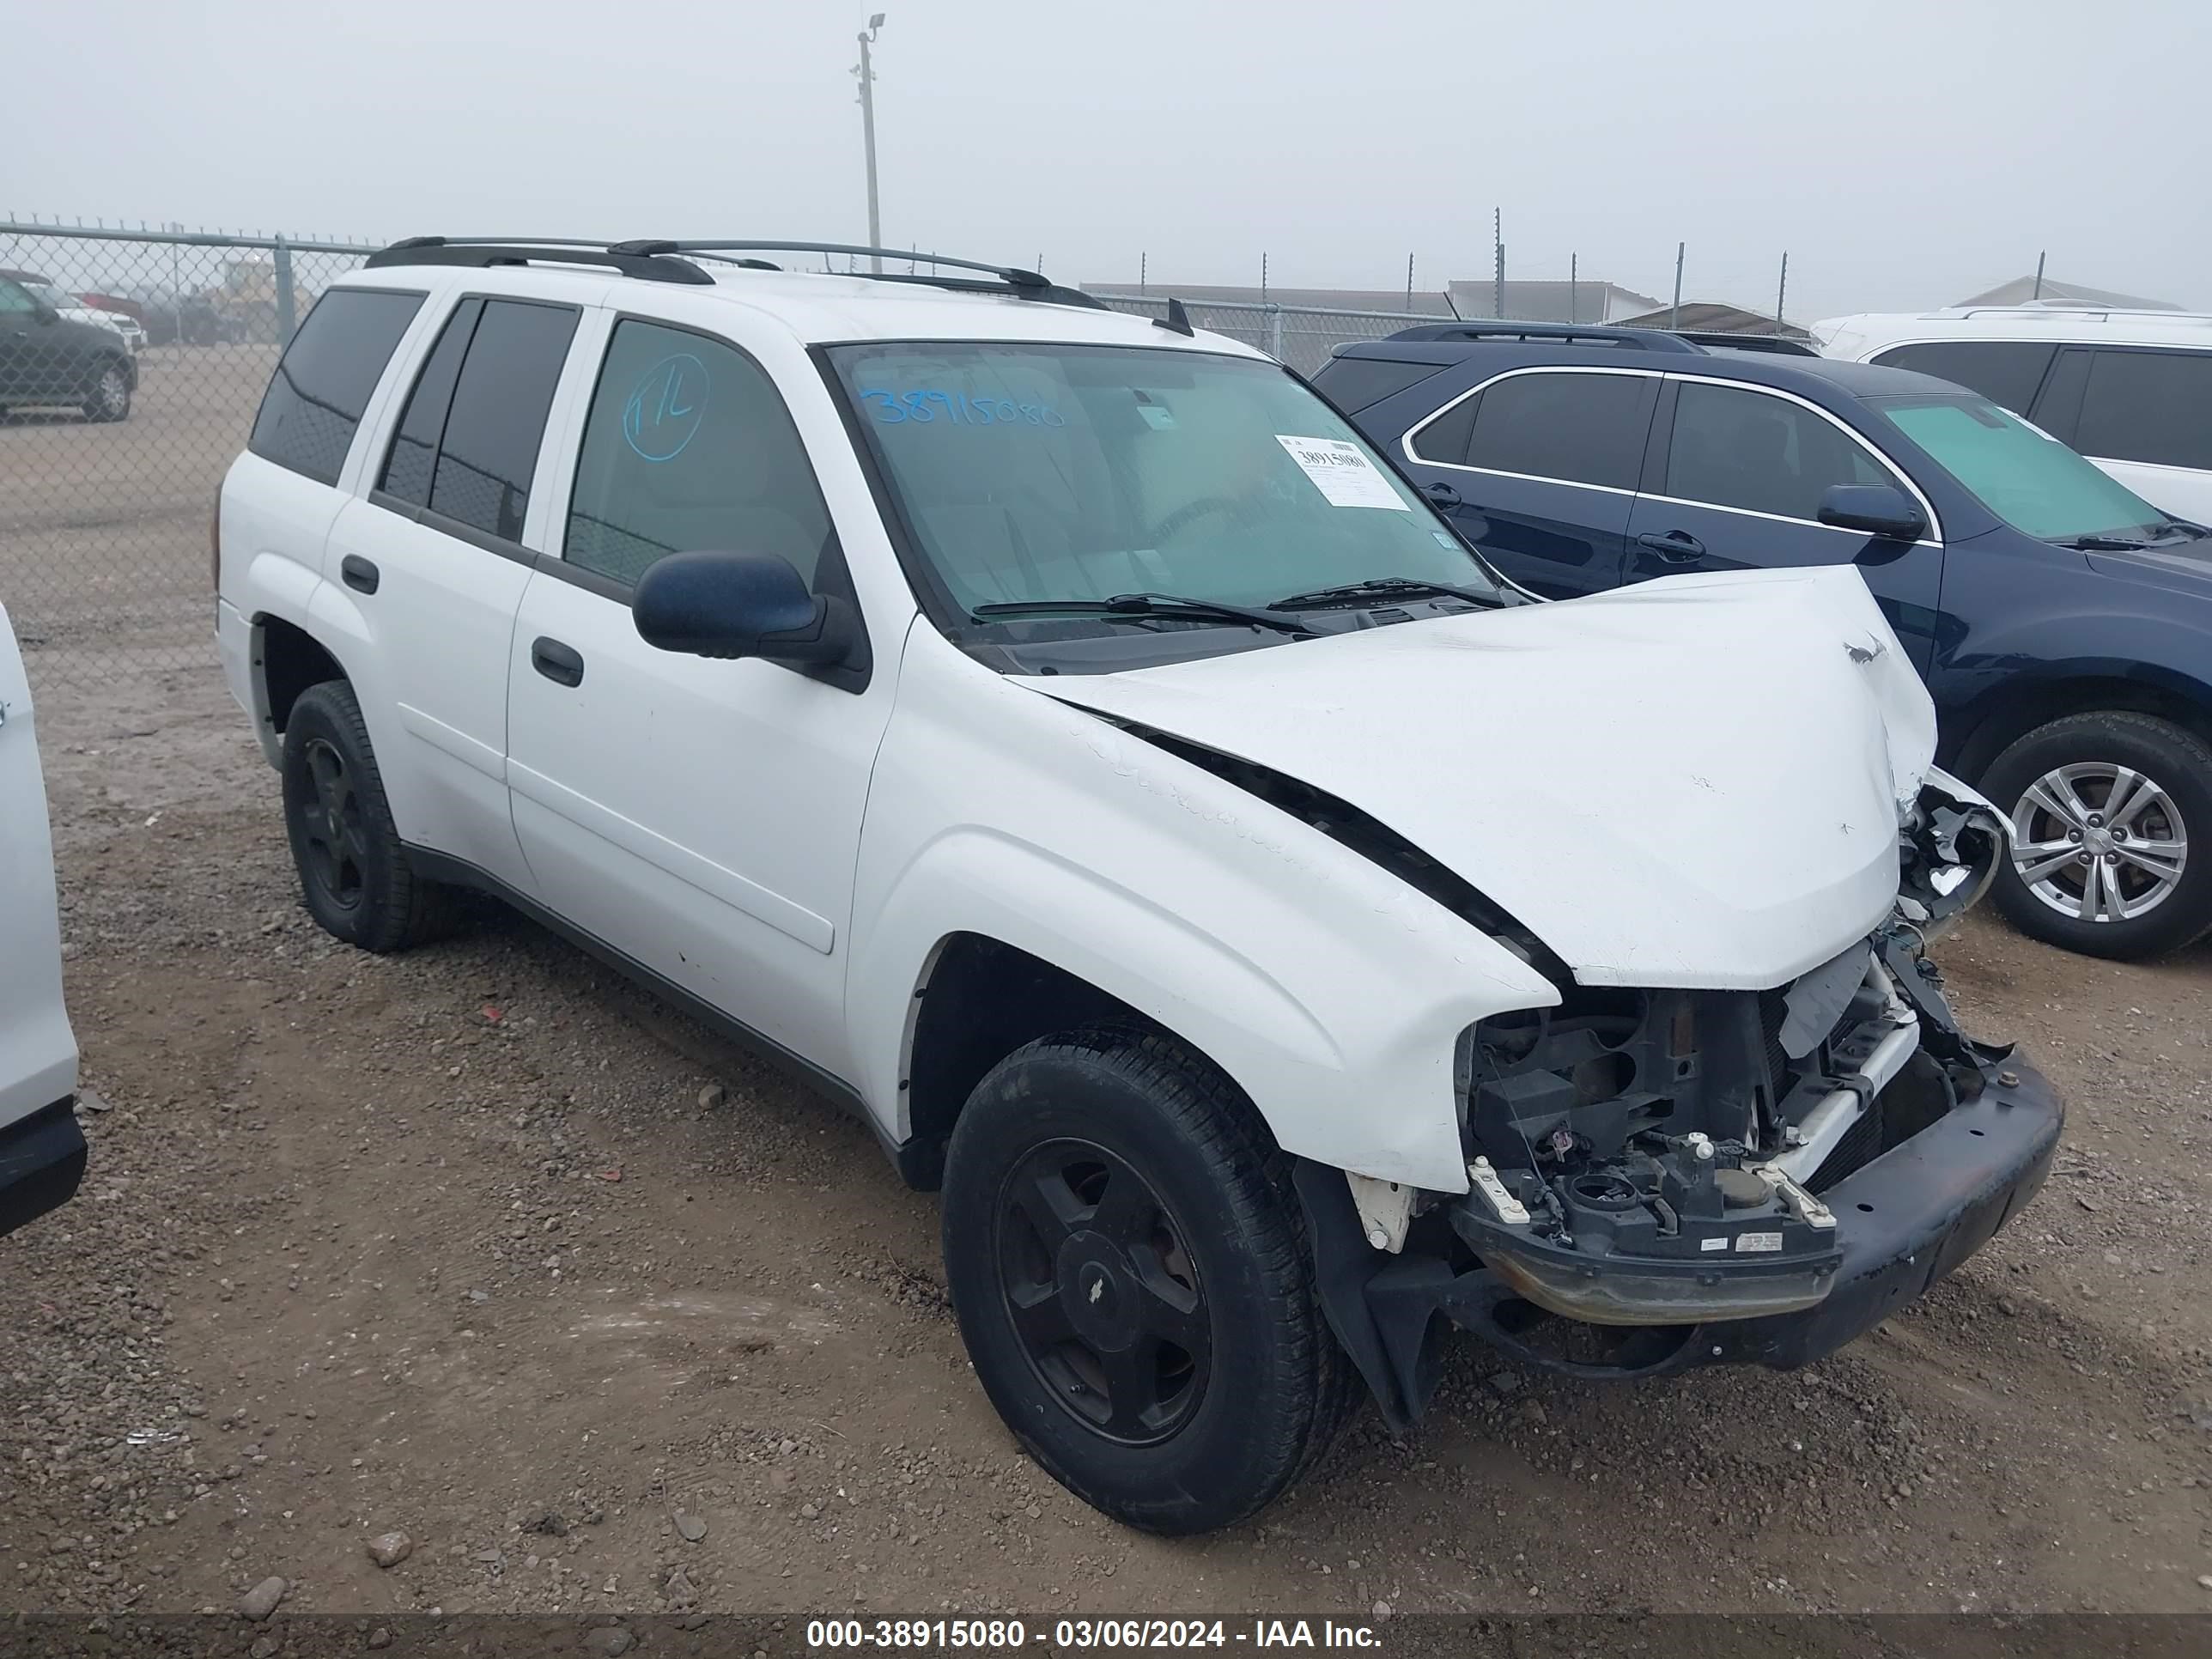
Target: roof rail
<point>482,252</point>
<point>2074,308</point>
<point>657,261</point>
<point>1649,339</point>
<point>1022,283</point>
<point>1783,346</point>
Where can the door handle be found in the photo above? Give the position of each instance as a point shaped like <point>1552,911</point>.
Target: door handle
<point>1676,546</point>
<point>1442,494</point>
<point>560,664</point>
<point>358,573</point>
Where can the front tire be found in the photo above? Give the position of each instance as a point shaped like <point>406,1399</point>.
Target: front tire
<point>1131,1272</point>
<point>354,875</point>
<point>108,397</point>
<point>2103,805</point>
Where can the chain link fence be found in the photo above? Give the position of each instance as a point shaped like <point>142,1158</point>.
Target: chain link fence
<point>105,503</point>
<point>105,499</point>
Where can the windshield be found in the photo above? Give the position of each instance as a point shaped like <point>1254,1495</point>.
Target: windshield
<point>52,295</point>
<point>1035,473</point>
<point>2033,482</point>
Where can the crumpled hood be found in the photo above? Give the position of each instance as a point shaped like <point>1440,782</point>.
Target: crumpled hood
<point>1694,781</point>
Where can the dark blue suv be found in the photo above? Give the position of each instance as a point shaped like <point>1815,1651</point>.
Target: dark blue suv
<point>2062,623</point>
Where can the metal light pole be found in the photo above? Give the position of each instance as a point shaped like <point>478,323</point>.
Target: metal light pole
<point>866,70</point>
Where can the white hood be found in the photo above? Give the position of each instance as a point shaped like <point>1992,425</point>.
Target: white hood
<point>1691,782</point>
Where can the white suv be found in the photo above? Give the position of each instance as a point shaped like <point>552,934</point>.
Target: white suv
<point>42,1151</point>
<point>2131,389</point>
<point>1063,740</point>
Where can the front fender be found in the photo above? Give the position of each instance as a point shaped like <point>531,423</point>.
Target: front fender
<point>1331,992</point>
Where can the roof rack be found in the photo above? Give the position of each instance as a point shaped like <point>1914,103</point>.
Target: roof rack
<point>656,260</point>
<point>482,252</point>
<point>1649,339</point>
<point>1783,346</point>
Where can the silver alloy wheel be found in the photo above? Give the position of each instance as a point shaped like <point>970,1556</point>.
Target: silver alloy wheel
<point>2099,841</point>
<point>114,393</point>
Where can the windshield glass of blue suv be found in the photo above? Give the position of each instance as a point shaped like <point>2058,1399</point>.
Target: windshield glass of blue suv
<point>2030,481</point>
<point>1056,472</point>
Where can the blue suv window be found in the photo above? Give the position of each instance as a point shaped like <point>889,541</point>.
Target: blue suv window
<point>1732,447</point>
<point>1580,429</point>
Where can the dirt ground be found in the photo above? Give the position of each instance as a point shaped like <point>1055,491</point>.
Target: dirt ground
<point>481,1245</point>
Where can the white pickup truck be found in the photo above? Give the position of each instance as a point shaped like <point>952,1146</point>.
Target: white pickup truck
<point>1063,739</point>
<point>41,1148</point>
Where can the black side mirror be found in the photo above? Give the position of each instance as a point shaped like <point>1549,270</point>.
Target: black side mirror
<point>1882,510</point>
<point>740,605</point>
<point>44,312</point>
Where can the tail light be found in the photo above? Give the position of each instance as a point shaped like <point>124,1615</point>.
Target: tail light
<point>214,543</point>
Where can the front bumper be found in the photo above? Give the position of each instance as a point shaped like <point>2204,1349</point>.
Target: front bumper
<point>1902,1220</point>
<point>1909,1217</point>
<point>41,1163</point>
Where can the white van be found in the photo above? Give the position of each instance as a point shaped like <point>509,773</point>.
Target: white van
<point>2131,389</point>
<point>41,1148</point>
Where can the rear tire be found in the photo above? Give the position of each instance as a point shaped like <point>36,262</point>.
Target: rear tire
<point>355,876</point>
<point>2119,884</point>
<point>1132,1274</point>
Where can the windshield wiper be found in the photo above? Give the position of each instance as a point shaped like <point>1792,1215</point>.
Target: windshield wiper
<point>2103,544</point>
<point>1142,604</point>
<point>1383,587</point>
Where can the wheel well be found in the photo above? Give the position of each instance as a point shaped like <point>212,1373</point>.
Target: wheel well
<point>2000,718</point>
<point>984,999</point>
<point>291,661</point>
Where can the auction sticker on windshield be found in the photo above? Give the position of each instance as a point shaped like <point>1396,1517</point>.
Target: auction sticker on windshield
<point>1342,473</point>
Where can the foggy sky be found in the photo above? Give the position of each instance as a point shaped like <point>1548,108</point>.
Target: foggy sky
<point>1904,154</point>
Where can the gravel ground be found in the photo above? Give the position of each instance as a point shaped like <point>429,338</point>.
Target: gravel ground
<point>482,1247</point>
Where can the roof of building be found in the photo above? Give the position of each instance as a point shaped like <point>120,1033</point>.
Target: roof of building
<point>1586,300</point>
<point>2024,290</point>
<point>1715,317</point>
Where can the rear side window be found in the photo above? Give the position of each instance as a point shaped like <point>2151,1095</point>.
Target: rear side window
<point>2006,372</point>
<point>688,447</point>
<point>1353,383</point>
<point>324,379</point>
<point>1744,449</point>
<point>414,454</point>
<point>1580,429</point>
<point>488,452</point>
<point>2150,406</point>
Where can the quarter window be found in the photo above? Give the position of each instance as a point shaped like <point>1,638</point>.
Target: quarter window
<point>1580,429</point>
<point>688,447</point>
<point>489,452</point>
<point>325,378</point>
<point>1744,449</point>
<point>1445,439</point>
<point>2150,406</point>
<point>2006,372</point>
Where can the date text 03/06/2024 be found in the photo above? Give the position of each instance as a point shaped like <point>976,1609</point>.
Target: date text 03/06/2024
<point>997,1635</point>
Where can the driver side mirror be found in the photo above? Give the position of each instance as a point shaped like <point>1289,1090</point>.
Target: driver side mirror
<point>740,604</point>
<point>1879,509</point>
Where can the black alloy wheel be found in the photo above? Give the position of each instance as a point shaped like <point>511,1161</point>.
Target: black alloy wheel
<point>1102,1293</point>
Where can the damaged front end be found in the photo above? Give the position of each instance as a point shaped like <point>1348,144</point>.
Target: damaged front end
<point>1662,1178</point>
